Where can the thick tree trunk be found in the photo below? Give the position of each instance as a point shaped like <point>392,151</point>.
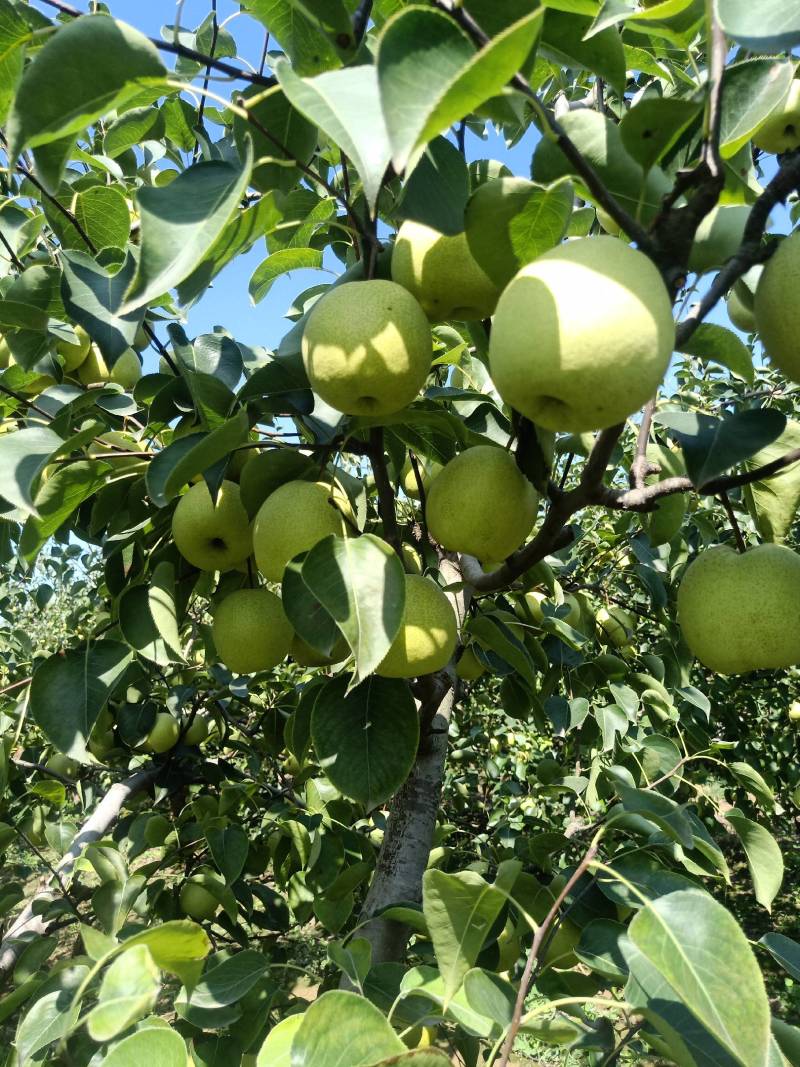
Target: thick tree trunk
<point>407,842</point>
<point>28,925</point>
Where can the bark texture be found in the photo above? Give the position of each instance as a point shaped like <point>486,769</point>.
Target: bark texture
<point>29,925</point>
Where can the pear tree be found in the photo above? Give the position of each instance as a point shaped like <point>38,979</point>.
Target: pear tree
<point>411,678</point>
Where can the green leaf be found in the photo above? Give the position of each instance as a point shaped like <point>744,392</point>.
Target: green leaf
<point>770,26</point>
<point>292,139</point>
<point>750,92</point>
<point>128,991</point>
<point>180,223</point>
<point>712,446</point>
<point>647,875</point>
<point>459,910</point>
<point>131,128</point>
<point>14,34</point>
<point>50,1018</point>
<point>277,1048</point>
<point>281,262</point>
<point>339,1021</point>
<point>353,958</point>
<point>491,996</point>
<point>366,740</point>
<point>714,342</point>
<point>154,1045</point>
<point>753,781</point>
<point>92,296</point>
<point>123,62</point>
<point>437,190</point>
<point>773,503</point>
<point>175,946</point>
<point>785,951</point>
<point>113,901</point>
<point>565,41</point>
<point>361,583</point>
<point>424,90</point>
<point>176,465</point>
<point>311,621</point>
<point>697,946</point>
<point>23,457</point>
<point>161,601</point>
<point>346,105</point>
<point>139,626</point>
<point>764,857</point>
<point>599,948</point>
<point>229,846</point>
<point>653,126</point>
<point>228,980</point>
<point>309,50</point>
<point>101,211</point>
<point>58,498</point>
<point>70,689</point>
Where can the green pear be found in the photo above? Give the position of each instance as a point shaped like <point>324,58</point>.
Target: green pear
<point>428,632</point>
<point>582,336</point>
<point>664,523</point>
<point>492,213</point>
<point>73,355</point>
<point>6,357</point>
<point>469,668</point>
<point>442,274</point>
<point>196,902</point>
<point>63,765</point>
<point>428,469</point>
<point>718,237</point>
<point>109,445</point>
<point>367,348</point>
<point>481,504</point>
<point>780,132</point>
<point>794,710</point>
<point>213,536</point>
<point>773,503</point>
<point>740,315</point>
<point>740,612</point>
<point>164,734</point>
<point>529,606</point>
<point>251,632</point>
<point>777,308</point>
<point>197,732</point>
<point>126,371</point>
<point>293,519</point>
<point>305,655</point>
<point>615,625</point>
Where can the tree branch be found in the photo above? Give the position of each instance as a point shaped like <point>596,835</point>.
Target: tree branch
<point>640,467</point>
<point>538,939</point>
<point>553,129</point>
<point>385,491</point>
<point>361,20</point>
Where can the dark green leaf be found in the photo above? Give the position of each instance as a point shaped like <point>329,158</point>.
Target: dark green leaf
<point>23,457</point>
<point>764,857</point>
<point>437,190</point>
<point>785,951</point>
<point>653,126</point>
<point>366,740</point>
<point>179,462</point>
<point>92,296</point>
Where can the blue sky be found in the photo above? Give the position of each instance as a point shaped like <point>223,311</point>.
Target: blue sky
<point>227,302</point>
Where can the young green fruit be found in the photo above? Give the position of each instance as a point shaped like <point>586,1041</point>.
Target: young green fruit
<point>442,274</point>
<point>197,732</point>
<point>666,520</point>
<point>582,336</point>
<point>367,348</point>
<point>164,733</point>
<point>777,309</point>
<point>94,370</point>
<point>469,668</point>
<point>214,536</point>
<point>794,711</point>
<point>73,355</point>
<point>481,504</point>
<point>251,632</point>
<point>306,656</point>
<point>718,237</point>
<point>196,902</point>
<point>489,226</point>
<point>108,447</point>
<point>740,315</point>
<point>615,625</point>
<point>781,130</point>
<point>428,632</point>
<point>740,612</point>
<point>292,520</point>
<point>63,765</point>
<point>428,470</point>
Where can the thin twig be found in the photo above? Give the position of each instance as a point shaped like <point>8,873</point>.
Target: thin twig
<point>43,859</point>
<point>737,533</point>
<point>385,492</point>
<point>42,768</point>
<point>538,939</point>
<point>206,79</point>
<point>361,20</point>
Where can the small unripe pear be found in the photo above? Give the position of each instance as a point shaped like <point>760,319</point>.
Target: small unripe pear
<point>164,733</point>
<point>251,631</point>
<point>780,132</point>
<point>94,370</point>
<point>213,536</point>
<point>293,519</point>
<point>428,632</point>
<point>777,309</point>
